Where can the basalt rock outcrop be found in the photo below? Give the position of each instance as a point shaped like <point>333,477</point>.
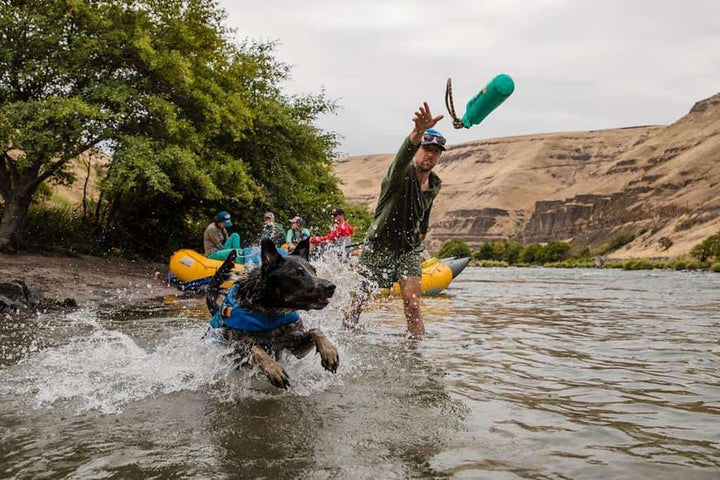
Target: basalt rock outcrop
<point>657,182</point>
<point>16,295</point>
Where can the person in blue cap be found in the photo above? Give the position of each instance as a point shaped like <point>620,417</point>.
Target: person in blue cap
<point>394,241</point>
<point>218,244</point>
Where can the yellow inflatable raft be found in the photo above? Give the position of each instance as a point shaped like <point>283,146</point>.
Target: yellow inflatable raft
<point>190,270</point>
<point>436,277</point>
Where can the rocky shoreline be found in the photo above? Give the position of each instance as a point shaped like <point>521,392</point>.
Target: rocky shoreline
<point>86,280</point>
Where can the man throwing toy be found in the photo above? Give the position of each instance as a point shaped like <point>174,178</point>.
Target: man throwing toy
<point>393,243</point>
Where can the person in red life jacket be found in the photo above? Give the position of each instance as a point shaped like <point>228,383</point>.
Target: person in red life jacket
<point>341,232</point>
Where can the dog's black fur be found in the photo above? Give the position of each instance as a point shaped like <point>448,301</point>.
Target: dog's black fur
<point>279,286</point>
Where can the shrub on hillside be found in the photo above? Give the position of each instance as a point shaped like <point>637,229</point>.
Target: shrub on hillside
<point>620,241</point>
<point>665,243</point>
<point>708,249</point>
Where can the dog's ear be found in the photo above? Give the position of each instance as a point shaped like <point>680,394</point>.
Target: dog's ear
<point>269,254</point>
<point>303,249</point>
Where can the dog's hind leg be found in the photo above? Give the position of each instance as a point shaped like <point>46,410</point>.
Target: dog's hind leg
<point>270,367</point>
<point>220,277</point>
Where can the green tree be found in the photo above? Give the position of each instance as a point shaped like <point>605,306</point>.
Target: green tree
<point>512,252</point>
<point>485,252</point>
<point>532,253</point>
<point>360,219</point>
<point>455,248</point>
<point>554,252</point>
<point>707,249</point>
<point>499,250</point>
<point>194,121</point>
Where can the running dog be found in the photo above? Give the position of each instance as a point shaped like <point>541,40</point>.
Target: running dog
<point>258,315</point>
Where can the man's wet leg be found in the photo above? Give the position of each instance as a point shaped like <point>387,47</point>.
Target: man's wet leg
<point>411,291</point>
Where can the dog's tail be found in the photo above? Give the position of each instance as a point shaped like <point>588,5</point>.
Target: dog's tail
<point>221,276</point>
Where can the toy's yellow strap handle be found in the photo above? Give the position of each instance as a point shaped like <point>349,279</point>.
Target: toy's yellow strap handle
<point>457,123</point>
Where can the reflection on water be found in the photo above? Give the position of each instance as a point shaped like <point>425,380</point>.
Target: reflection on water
<point>525,373</point>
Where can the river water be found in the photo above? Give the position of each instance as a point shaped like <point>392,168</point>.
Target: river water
<point>524,373</point>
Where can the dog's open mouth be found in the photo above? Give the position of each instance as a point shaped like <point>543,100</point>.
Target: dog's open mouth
<point>317,304</point>
<point>309,304</point>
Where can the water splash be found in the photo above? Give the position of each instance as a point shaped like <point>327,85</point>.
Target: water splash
<point>102,368</point>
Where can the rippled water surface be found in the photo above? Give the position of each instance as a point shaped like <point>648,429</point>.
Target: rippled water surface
<point>524,373</point>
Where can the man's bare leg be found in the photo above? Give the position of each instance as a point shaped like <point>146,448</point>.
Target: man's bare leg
<point>411,291</point>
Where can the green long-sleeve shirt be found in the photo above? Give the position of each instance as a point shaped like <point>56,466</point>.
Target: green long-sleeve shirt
<point>403,211</point>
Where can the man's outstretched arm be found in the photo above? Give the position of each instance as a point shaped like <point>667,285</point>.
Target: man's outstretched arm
<point>422,120</point>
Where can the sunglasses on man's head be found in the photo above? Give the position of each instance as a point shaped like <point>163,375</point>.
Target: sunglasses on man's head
<point>428,137</point>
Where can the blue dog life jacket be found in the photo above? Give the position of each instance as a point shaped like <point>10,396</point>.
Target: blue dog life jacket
<point>231,315</point>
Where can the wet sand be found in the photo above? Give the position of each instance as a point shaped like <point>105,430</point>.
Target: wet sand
<point>90,280</point>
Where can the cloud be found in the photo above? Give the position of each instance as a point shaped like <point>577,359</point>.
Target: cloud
<point>577,65</point>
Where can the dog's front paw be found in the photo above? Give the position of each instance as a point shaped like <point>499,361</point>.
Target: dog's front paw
<point>329,357</point>
<point>277,375</point>
<point>272,369</point>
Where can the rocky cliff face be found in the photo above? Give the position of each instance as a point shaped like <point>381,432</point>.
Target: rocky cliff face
<point>586,187</point>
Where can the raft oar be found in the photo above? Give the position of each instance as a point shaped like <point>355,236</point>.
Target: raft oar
<point>482,104</point>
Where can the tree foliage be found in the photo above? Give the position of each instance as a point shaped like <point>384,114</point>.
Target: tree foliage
<point>708,249</point>
<point>513,253</point>
<point>455,248</point>
<point>195,121</point>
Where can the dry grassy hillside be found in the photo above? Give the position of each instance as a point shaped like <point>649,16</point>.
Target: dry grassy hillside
<point>581,186</point>
<point>72,194</point>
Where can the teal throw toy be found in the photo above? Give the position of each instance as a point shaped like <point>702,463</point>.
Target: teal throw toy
<point>482,104</point>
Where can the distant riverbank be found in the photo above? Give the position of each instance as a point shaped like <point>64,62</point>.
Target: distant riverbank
<point>629,264</point>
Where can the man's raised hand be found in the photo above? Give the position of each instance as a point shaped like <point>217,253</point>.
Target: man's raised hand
<point>423,120</point>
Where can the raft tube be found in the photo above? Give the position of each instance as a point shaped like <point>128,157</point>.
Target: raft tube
<point>436,276</point>
<point>190,270</point>
<point>457,265</point>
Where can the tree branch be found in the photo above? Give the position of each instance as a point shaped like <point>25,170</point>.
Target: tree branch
<point>5,176</point>
<point>57,165</point>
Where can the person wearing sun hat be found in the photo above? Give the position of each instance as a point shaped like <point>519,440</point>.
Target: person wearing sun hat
<point>296,233</point>
<point>218,244</point>
<point>272,230</point>
<point>394,241</point>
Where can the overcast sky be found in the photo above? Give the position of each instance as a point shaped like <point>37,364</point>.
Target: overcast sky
<point>577,64</point>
